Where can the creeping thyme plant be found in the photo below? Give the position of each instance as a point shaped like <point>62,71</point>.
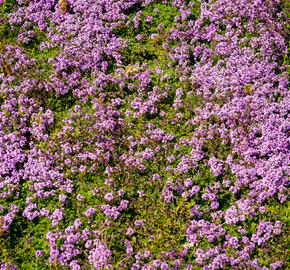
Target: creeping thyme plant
<point>144,134</point>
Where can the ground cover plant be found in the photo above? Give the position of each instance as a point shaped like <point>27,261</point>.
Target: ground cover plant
<point>144,134</point>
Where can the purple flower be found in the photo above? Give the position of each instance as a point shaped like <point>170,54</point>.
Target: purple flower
<point>141,193</point>
<point>39,253</point>
<point>80,197</point>
<point>214,205</point>
<point>147,254</point>
<point>135,266</point>
<point>77,223</point>
<point>130,231</point>
<point>129,249</point>
<point>157,263</point>
<point>139,37</point>
<point>88,244</point>
<point>139,256</point>
<point>54,223</point>
<point>164,266</point>
<point>74,265</point>
<point>109,197</point>
<point>62,198</point>
<point>121,192</point>
<point>148,19</point>
<point>90,212</point>
<point>99,255</point>
<point>123,205</point>
<point>83,168</point>
<point>188,183</point>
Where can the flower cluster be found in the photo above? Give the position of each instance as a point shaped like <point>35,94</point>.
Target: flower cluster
<point>143,134</point>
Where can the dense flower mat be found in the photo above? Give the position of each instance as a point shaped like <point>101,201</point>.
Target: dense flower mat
<point>142,134</point>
